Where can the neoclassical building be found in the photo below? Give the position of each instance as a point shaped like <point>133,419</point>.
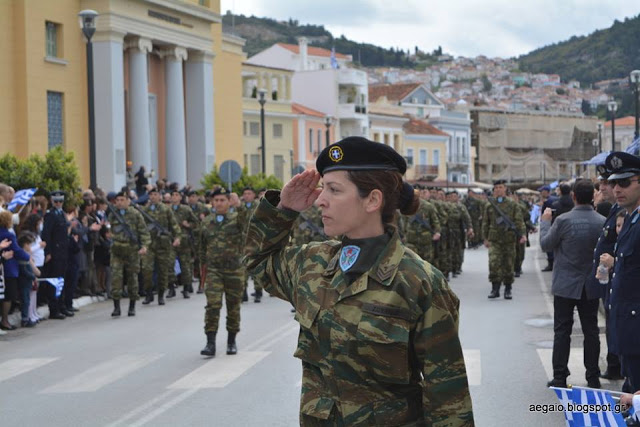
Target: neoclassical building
<point>159,66</point>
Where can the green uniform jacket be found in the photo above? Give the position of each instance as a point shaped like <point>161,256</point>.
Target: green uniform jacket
<point>415,231</point>
<point>383,350</point>
<point>185,213</point>
<point>136,223</point>
<point>162,214</point>
<point>493,231</point>
<point>222,242</point>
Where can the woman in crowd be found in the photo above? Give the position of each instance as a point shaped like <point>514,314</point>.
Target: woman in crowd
<point>378,325</point>
<point>10,268</point>
<point>33,225</point>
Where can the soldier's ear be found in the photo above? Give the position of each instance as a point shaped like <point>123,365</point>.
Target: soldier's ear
<point>374,201</point>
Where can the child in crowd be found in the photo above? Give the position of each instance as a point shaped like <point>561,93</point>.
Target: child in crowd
<point>33,224</point>
<point>26,277</point>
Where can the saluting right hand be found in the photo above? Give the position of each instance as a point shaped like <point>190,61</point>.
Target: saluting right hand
<point>300,193</point>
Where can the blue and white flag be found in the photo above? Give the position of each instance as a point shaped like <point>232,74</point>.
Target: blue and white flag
<point>595,408</point>
<point>634,147</point>
<point>21,198</point>
<point>564,395</point>
<point>176,267</point>
<point>56,282</point>
<point>334,61</point>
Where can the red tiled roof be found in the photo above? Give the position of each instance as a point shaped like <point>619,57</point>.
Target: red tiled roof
<point>393,92</point>
<point>417,126</point>
<point>301,109</point>
<point>623,121</point>
<point>312,51</point>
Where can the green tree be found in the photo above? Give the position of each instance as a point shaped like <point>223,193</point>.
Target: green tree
<point>257,181</point>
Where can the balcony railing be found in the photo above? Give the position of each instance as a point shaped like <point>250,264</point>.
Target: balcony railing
<point>426,170</point>
<point>349,111</point>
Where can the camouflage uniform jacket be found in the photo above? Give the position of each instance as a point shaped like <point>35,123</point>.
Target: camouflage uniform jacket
<point>184,213</point>
<point>199,209</point>
<point>247,210</point>
<point>416,230</point>
<point>491,230</point>
<point>382,350</point>
<point>162,215</point>
<point>222,240</point>
<point>136,223</point>
<point>308,227</point>
<point>462,220</point>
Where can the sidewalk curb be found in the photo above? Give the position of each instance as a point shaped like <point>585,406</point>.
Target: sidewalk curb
<point>43,312</point>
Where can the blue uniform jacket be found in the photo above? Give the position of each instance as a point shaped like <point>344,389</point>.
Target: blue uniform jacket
<point>11,265</point>
<point>606,245</point>
<point>624,299</point>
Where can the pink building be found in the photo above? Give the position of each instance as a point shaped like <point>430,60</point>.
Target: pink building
<point>309,135</point>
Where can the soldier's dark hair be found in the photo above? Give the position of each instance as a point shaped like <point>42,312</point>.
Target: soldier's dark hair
<point>565,189</point>
<point>392,187</point>
<point>26,238</point>
<point>583,190</point>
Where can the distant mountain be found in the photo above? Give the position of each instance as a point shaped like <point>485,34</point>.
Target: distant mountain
<point>604,54</point>
<point>261,33</point>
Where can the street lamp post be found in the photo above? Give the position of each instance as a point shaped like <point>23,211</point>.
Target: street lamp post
<point>595,146</point>
<point>599,137</point>
<point>262,100</point>
<point>87,19</point>
<point>613,106</point>
<point>327,123</point>
<point>635,79</point>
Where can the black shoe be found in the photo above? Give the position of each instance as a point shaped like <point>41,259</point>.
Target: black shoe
<point>549,267</point>
<point>132,308</point>
<point>495,291</point>
<point>557,383</point>
<point>612,374</point>
<point>58,315</point>
<point>185,294</point>
<point>200,291</point>
<point>160,298</point>
<point>148,299</point>
<point>517,273</point>
<point>75,310</point>
<point>67,312</point>
<point>172,292</point>
<point>257,295</point>
<point>190,288</point>
<point>231,343</point>
<point>210,348</point>
<point>11,327</point>
<point>507,291</point>
<point>28,323</point>
<point>594,383</point>
<point>116,308</point>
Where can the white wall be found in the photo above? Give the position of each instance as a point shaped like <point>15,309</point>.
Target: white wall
<point>316,89</point>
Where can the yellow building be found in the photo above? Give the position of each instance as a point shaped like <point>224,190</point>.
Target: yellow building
<point>166,81</point>
<point>275,85</point>
<point>425,148</point>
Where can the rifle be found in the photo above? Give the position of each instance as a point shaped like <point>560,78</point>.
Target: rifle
<point>425,224</point>
<point>153,223</point>
<point>130,234</point>
<point>307,224</point>
<point>504,219</point>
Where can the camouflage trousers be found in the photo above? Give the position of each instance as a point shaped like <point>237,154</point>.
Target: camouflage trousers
<point>455,249</point>
<point>520,249</point>
<point>501,260</point>
<point>125,262</point>
<point>231,284</point>
<point>185,258</point>
<point>157,257</point>
<point>171,272</point>
<point>443,256</point>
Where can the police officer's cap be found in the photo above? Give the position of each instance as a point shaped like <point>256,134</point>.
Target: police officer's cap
<point>603,172</point>
<point>622,165</point>
<point>220,191</point>
<point>111,195</point>
<point>499,182</point>
<point>57,196</point>
<point>544,188</point>
<point>357,153</point>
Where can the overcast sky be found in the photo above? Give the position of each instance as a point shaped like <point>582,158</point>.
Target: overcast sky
<point>462,27</point>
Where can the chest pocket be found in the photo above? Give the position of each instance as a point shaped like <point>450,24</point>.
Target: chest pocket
<point>308,338</point>
<point>383,344</point>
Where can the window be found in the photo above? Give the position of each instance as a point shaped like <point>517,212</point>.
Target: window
<point>410,157</point>
<point>436,157</point>
<point>376,137</point>
<point>254,128</point>
<point>244,128</point>
<point>423,157</point>
<point>255,164</point>
<point>54,119</point>
<point>311,141</point>
<point>386,139</point>
<point>277,130</point>
<point>52,33</point>
<point>319,140</point>
<point>278,166</point>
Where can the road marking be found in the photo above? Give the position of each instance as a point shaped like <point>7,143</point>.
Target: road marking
<point>473,364</point>
<point>142,408</point>
<point>268,340</point>
<point>105,373</point>
<point>14,367</point>
<point>220,372</point>
<point>575,365</point>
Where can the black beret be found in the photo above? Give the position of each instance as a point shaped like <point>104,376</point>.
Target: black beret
<point>122,194</point>
<point>248,187</point>
<point>220,191</point>
<point>622,165</point>
<point>358,153</point>
<point>153,190</point>
<point>451,192</point>
<point>500,181</point>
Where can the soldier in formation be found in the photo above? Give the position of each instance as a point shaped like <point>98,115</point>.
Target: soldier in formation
<point>521,247</point>
<point>422,230</point>
<point>200,211</point>
<point>189,223</point>
<point>475,207</point>
<point>247,206</point>
<point>459,229</point>
<point>502,227</point>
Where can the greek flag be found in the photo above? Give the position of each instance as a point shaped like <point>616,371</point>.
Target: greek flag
<point>564,395</point>
<point>21,198</point>
<point>334,61</point>
<point>634,147</point>
<point>176,267</point>
<point>595,408</point>
<point>56,282</point>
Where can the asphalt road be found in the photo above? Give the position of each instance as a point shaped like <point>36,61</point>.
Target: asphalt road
<point>92,370</point>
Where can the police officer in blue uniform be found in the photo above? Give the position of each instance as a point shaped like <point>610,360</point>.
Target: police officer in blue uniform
<point>624,295</point>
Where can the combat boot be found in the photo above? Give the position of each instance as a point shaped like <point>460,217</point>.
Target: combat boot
<point>507,291</point>
<point>172,291</point>
<point>148,299</point>
<point>185,292</point>
<point>495,290</point>
<point>200,289</point>
<point>132,308</point>
<point>116,308</point>
<point>258,296</point>
<point>210,348</point>
<point>245,297</point>
<point>231,343</point>
<point>160,298</point>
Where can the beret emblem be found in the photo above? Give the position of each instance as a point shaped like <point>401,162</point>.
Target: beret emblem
<point>335,154</point>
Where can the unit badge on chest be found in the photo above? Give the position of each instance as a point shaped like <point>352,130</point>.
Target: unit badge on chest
<point>219,218</point>
<point>349,256</point>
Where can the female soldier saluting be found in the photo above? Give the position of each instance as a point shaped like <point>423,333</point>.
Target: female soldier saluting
<point>378,325</point>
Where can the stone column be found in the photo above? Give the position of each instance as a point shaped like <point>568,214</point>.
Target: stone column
<point>288,87</point>
<point>108,74</point>
<point>139,132</point>
<point>199,116</point>
<point>281,95</point>
<point>175,140</point>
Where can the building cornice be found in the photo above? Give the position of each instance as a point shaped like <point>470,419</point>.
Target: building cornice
<point>268,113</point>
<point>188,9</point>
